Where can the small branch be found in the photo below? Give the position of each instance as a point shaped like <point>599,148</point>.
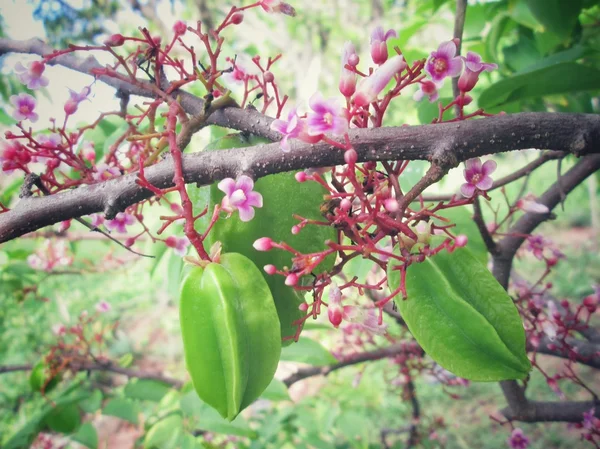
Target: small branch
<point>483,230</point>
<point>459,26</point>
<point>587,353</point>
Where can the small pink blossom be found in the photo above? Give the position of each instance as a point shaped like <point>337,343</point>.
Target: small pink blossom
<point>443,62</point>
<point>371,86</point>
<point>63,226</point>
<point>238,74</point>
<point>326,117</point>
<point>428,88</point>
<point>239,195</point>
<point>477,176</point>
<point>24,107</point>
<point>59,329</point>
<point>348,77</point>
<point>179,244</point>
<point>589,420</point>
<point>14,156</point>
<point>103,307</point>
<point>104,172</point>
<point>88,152</point>
<point>97,220</point>
<point>120,222</point>
<point>263,244</point>
<point>294,128</point>
<point>179,28</point>
<point>528,204</point>
<point>274,6</point>
<point>32,76</point>
<point>379,51</point>
<point>50,255</point>
<point>518,440</point>
<point>473,67</point>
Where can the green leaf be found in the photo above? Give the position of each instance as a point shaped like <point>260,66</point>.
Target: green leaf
<point>557,79</point>
<point>92,403</point>
<point>165,434</point>
<point>146,390</point>
<point>64,418</point>
<point>462,317</point>
<point>276,391</point>
<point>557,16</point>
<point>122,408</point>
<point>308,351</point>
<point>570,55</point>
<point>87,436</point>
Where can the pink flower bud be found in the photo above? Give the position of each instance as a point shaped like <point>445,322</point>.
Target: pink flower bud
<point>461,240</point>
<point>353,60</point>
<point>591,303</point>
<point>295,230</point>
<point>291,279</point>
<point>179,28</point>
<point>270,269</point>
<point>371,86</point>
<point>390,204</point>
<point>268,77</point>
<point>303,307</point>
<point>237,18</point>
<point>116,40</point>
<point>335,314</point>
<point>263,244</point>
<point>177,208</point>
<point>70,107</point>
<point>350,156</point>
<point>301,176</point>
<point>345,205</point>
<point>129,242</point>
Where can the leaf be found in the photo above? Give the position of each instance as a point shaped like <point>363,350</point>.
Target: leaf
<point>570,55</point>
<point>87,436</point>
<point>462,317</point>
<point>92,403</point>
<point>64,418</point>
<point>146,390</point>
<point>557,16</point>
<point>165,434</point>
<point>122,408</point>
<point>557,79</point>
<point>308,351</point>
<point>276,391</point>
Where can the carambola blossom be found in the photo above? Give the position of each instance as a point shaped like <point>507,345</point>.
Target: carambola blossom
<point>179,244</point>
<point>239,195</point>
<point>103,307</point>
<point>24,107</point>
<point>477,176</point>
<point>273,6</point>
<point>120,222</point>
<point>371,86</point>
<point>104,172</point>
<point>32,76</point>
<point>327,116</point>
<point>428,88</point>
<point>443,62</point>
<point>348,77</point>
<point>294,128</point>
<point>13,156</point>
<point>518,440</point>
<point>379,51</point>
<point>473,67</point>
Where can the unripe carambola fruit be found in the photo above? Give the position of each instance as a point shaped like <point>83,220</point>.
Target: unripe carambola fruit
<point>230,332</point>
<point>283,197</point>
<point>39,375</point>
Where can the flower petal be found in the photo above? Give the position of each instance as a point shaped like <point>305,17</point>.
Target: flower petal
<point>255,199</point>
<point>246,213</point>
<point>455,66</point>
<point>446,49</point>
<point>227,186</point>
<point>485,183</point>
<point>245,183</point>
<point>488,167</point>
<point>467,190</point>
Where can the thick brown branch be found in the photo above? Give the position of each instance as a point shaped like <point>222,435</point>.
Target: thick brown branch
<point>447,144</point>
<point>536,411</point>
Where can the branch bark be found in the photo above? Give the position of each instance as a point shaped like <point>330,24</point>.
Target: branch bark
<point>444,144</point>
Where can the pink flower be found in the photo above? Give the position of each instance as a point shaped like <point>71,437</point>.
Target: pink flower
<point>24,107</point>
<point>238,75</point>
<point>371,86</point>
<point>588,419</point>
<point>120,222</point>
<point>428,88</point>
<point>104,172</point>
<point>273,6</point>
<point>32,77</point>
<point>97,220</point>
<point>379,51</point>
<point>348,77</point>
<point>528,204</point>
<point>180,28</point>
<point>443,62</point>
<point>326,117</point>
<point>239,195</point>
<point>473,67</point>
<point>180,244</point>
<point>294,128</point>
<point>88,152</point>
<point>518,440</point>
<point>477,176</point>
<point>50,255</point>
<point>103,307</point>
<point>14,156</point>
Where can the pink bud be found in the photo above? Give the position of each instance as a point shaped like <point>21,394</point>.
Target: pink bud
<point>301,176</point>
<point>371,86</point>
<point>270,269</point>
<point>171,241</point>
<point>461,240</point>
<point>116,40</point>
<point>177,208</point>
<point>591,303</point>
<point>345,205</point>
<point>350,156</point>
<point>180,28</point>
<point>291,279</point>
<point>263,244</point>
<point>353,60</point>
<point>295,230</point>
<point>335,313</point>
<point>303,307</point>
<point>390,204</point>
<point>268,77</point>
<point>129,242</point>
<point>70,107</point>
<point>237,18</point>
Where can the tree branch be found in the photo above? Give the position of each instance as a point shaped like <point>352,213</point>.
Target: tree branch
<point>444,144</point>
